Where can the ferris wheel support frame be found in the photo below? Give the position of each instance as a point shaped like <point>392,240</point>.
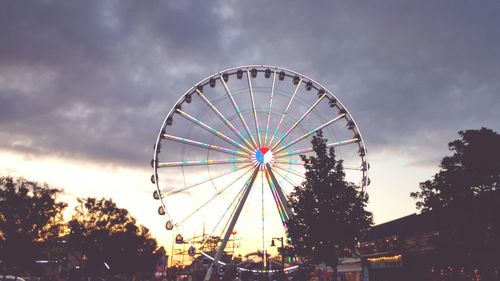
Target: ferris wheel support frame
<point>281,195</point>
<point>229,230</point>
<point>245,146</point>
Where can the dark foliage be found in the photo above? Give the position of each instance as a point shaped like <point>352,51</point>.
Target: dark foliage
<point>472,170</point>
<point>304,272</point>
<point>330,215</point>
<point>470,232</point>
<point>108,234</point>
<point>465,197</point>
<point>30,217</point>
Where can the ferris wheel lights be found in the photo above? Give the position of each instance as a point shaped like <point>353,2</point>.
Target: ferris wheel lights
<point>296,79</point>
<point>267,73</point>
<point>253,72</point>
<point>161,211</point>
<point>239,74</point>
<point>225,77</point>
<point>156,195</point>
<point>309,86</point>
<point>169,225</point>
<point>281,75</point>
<point>211,82</point>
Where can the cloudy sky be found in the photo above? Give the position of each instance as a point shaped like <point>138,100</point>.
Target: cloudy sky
<point>85,85</point>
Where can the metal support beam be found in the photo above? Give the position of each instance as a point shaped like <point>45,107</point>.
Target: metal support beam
<point>229,229</point>
<point>281,194</point>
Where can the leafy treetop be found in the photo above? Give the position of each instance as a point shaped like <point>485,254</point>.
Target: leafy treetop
<point>472,170</point>
<point>29,216</point>
<point>330,215</point>
<point>107,233</point>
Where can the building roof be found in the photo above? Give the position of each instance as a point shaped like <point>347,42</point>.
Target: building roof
<point>405,226</point>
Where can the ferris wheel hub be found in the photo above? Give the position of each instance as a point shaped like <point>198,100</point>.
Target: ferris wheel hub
<point>264,155</point>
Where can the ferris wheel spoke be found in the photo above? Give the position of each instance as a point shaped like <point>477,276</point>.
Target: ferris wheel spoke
<point>212,130</point>
<point>298,121</point>
<point>223,118</point>
<point>288,162</point>
<point>289,170</point>
<point>281,201</point>
<point>310,133</point>
<point>310,149</point>
<point>285,112</point>
<point>239,197</point>
<point>233,203</point>
<point>219,175</point>
<point>234,219</point>
<point>250,89</point>
<point>286,178</point>
<point>237,109</point>
<point>201,162</point>
<point>354,168</point>
<point>263,216</point>
<point>205,145</point>
<point>277,201</point>
<point>270,108</point>
<point>217,194</point>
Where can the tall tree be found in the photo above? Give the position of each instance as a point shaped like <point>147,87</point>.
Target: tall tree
<point>465,197</point>
<point>109,234</point>
<point>329,212</point>
<point>472,170</point>
<point>29,217</point>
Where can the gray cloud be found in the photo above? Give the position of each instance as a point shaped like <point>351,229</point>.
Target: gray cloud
<point>93,79</point>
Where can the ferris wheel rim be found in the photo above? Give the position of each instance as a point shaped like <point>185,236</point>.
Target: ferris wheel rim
<point>364,185</point>
<point>219,74</point>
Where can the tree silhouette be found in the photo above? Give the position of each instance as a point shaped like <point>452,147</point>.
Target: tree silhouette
<point>29,217</point>
<point>465,198</point>
<point>330,214</point>
<point>472,170</point>
<point>108,234</point>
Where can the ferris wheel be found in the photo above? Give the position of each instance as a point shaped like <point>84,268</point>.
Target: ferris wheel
<point>228,154</point>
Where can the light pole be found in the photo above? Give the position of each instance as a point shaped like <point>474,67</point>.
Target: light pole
<point>282,252</point>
